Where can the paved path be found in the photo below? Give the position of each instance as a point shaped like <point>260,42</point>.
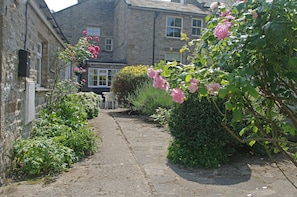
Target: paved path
<point>131,162</point>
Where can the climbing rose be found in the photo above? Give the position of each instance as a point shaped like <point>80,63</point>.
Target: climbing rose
<point>97,39</point>
<point>177,95</point>
<point>222,31</point>
<point>84,33</point>
<point>213,88</point>
<point>160,82</point>
<point>193,85</point>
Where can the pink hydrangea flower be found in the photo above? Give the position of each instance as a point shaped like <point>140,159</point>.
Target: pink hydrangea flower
<point>160,82</point>
<point>213,88</point>
<point>177,95</point>
<point>222,30</point>
<point>193,85</point>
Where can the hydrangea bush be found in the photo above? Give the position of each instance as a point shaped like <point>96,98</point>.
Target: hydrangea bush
<point>247,56</point>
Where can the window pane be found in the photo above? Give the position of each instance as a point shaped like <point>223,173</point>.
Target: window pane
<point>178,22</point>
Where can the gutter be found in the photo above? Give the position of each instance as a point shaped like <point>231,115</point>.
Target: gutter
<point>154,36</point>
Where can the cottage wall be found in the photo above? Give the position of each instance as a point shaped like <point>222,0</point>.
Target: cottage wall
<point>18,32</point>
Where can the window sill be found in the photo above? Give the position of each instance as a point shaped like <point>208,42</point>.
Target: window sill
<point>41,89</point>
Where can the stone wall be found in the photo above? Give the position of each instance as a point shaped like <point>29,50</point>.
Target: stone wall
<point>96,13</point>
<point>17,33</point>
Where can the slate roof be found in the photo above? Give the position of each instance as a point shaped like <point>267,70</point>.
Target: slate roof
<point>167,6</point>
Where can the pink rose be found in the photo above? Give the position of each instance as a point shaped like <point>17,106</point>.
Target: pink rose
<point>97,39</point>
<point>89,38</point>
<point>160,82</point>
<point>152,73</point>
<point>213,88</point>
<point>193,85</point>
<point>97,49</point>
<point>177,95</point>
<point>84,33</point>
<point>222,31</point>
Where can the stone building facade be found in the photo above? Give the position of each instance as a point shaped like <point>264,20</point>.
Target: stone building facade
<point>132,32</point>
<point>29,40</point>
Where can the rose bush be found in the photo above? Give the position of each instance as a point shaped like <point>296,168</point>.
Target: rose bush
<point>247,56</point>
<point>83,50</point>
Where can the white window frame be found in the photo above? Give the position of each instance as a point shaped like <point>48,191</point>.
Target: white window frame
<point>108,46</point>
<point>39,64</point>
<point>197,27</point>
<point>173,27</point>
<point>169,56</point>
<point>108,77</point>
<point>93,31</point>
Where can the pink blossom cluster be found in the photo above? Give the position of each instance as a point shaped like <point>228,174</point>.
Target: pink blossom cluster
<point>94,50</point>
<point>159,82</point>
<point>79,70</point>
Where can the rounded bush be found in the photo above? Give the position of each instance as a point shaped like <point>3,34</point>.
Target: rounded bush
<point>127,80</point>
<point>199,138</point>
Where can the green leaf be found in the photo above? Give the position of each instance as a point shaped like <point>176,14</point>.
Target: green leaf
<point>188,78</point>
<point>237,115</point>
<point>242,132</point>
<point>251,143</point>
<point>225,82</point>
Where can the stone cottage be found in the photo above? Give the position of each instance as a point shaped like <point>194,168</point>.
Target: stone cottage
<point>29,40</point>
<point>132,32</point>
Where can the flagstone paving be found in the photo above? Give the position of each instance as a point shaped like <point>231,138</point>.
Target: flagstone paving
<point>131,162</point>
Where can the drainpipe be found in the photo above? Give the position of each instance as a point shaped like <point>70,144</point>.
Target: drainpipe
<point>154,36</point>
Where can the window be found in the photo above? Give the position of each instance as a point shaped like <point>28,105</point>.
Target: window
<point>68,72</point>
<point>93,31</point>
<point>173,27</point>
<point>172,56</point>
<point>101,77</point>
<point>39,64</point>
<point>108,45</point>
<point>196,27</point>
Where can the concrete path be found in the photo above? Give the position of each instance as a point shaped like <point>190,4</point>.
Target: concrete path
<point>131,162</point>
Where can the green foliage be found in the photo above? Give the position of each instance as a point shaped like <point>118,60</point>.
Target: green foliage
<point>82,141</point>
<point>40,156</point>
<point>59,137</point>
<point>161,116</point>
<point>127,80</point>
<point>70,110</point>
<point>196,156</point>
<point>146,99</point>
<point>199,138</point>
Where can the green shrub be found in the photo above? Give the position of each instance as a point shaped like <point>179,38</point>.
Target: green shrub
<point>82,141</point>
<point>147,99</point>
<point>70,111</point>
<point>127,80</point>
<point>196,156</point>
<point>90,101</point>
<point>46,128</point>
<point>197,132</point>
<point>40,156</point>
